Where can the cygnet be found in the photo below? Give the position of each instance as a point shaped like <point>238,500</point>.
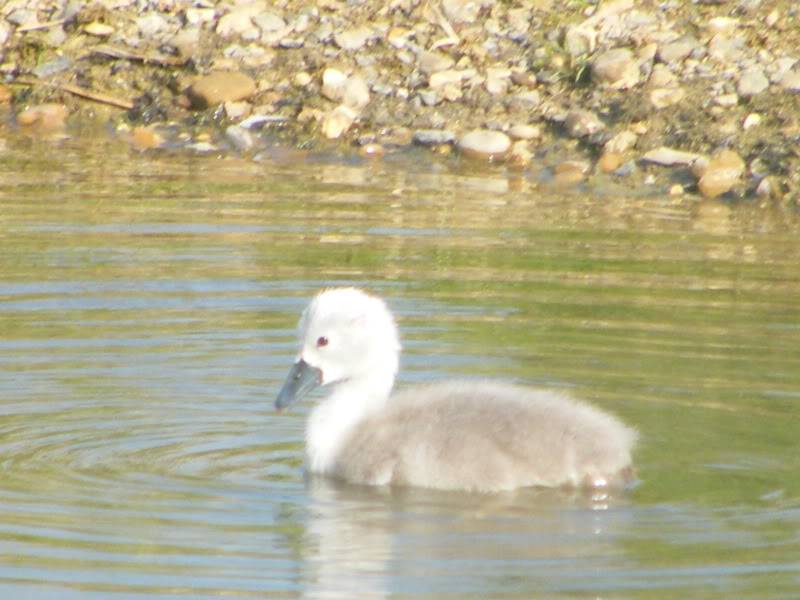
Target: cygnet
<point>481,435</point>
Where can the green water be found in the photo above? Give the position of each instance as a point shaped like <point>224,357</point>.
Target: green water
<point>147,307</point>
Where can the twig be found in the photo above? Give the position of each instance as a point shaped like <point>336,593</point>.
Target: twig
<point>116,52</point>
<point>82,92</point>
<point>45,25</point>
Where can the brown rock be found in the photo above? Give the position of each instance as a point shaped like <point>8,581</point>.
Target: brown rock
<point>570,171</point>
<point>609,162</point>
<point>616,68</point>
<point>5,94</point>
<point>44,116</point>
<point>220,86</point>
<point>146,138</point>
<point>717,181</point>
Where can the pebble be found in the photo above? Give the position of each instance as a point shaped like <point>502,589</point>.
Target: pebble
<point>664,97</point>
<point>791,81</point>
<point>678,50</point>
<point>239,22</point>
<point>240,138</point>
<point>337,121</point>
<point>520,154</point>
<point>616,68</point>
<point>49,116</point>
<point>621,143</point>
<point>752,82</point>
<point>485,143</point>
<point>353,39</point>
<point>269,22</point>
<point>433,137</point>
<point>524,79</point>
<point>721,174</point>
<point>220,86</point>
<point>237,110</point>
<point>431,62</point>
<point>524,132</point>
<point>301,79</point>
<point>146,138</point>
<point>371,150</point>
<point>53,67</point>
<point>151,25</point>
<point>661,76</point>
<point>463,11</point>
<point>333,84</point>
<point>727,100</point>
<point>751,120</point>
<point>582,123</point>
<point>609,162</point>
<point>5,94</point>
<point>356,93</point>
<point>447,77</point>
<point>98,29</point>
<point>570,172</point>
<point>669,157</point>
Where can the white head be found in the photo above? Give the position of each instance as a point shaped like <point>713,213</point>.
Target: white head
<point>345,335</point>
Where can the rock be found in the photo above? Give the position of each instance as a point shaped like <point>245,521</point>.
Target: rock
<point>240,138</point>
<point>520,154</point>
<point>462,11</point>
<point>751,120</point>
<point>356,93</point>
<point>269,22</point>
<point>431,62</point>
<point>570,172</point>
<point>498,80</point>
<point>580,40</point>
<point>664,97</point>
<point>726,49</point>
<point>152,25</point>
<point>146,138</point>
<point>791,81</point>
<point>433,137</point>
<point>337,121</point>
<point>524,132</point>
<point>98,29</point>
<point>428,97</point>
<point>678,50</point>
<point>668,157</point>
<point>53,67</point>
<point>721,174</point>
<point>662,77</point>
<point>616,69</point>
<point>621,143</point>
<point>752,81</point>
<point>447,77</point>
<point>768,187</point>
<point>333,84</point>
<point>301,79</point>
<point>5,94</point>
<point>524,79</point>
<point>717,182</point>
<point>727,100</point>
<point>239,21</point>
<point>48,116</point>
<point>371,150</point>
<point>485,143</point>
<point>353,39</point>
<point>220,86</point>
<point>582,123</point>
<point>237,110</point>
<point>609,162</point>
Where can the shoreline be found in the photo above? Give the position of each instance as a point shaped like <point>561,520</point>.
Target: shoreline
<point>697,98</point>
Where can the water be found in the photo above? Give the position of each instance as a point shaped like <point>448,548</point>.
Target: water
<point>147,307</point>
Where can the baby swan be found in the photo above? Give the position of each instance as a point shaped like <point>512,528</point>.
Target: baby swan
<point>455,435</point>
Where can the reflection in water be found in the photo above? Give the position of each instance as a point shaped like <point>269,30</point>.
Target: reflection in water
<point>147,307</point>
<point>375,543</point>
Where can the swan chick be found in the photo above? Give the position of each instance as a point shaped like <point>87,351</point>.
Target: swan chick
<point>457,435</point>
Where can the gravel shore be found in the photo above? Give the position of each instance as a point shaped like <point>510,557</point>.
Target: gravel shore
<point>697,96</point>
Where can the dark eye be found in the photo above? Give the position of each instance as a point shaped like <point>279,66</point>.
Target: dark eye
<point>322,341</point>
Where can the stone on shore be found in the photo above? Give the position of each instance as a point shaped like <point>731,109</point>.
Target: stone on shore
<point>220,86</point>
<point>485,143</point>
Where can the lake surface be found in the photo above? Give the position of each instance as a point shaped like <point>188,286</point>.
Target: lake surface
<point>147,313</point>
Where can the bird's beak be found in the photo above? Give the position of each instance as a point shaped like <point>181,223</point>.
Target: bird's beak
<point>301,380</point>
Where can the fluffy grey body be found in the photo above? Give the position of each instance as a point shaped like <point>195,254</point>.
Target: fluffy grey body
<point>486,436</point>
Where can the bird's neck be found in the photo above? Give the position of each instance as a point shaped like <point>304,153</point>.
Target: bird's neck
<point>332,420</point>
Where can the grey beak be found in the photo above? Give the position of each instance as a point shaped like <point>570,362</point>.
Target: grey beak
<point>301,380</point>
